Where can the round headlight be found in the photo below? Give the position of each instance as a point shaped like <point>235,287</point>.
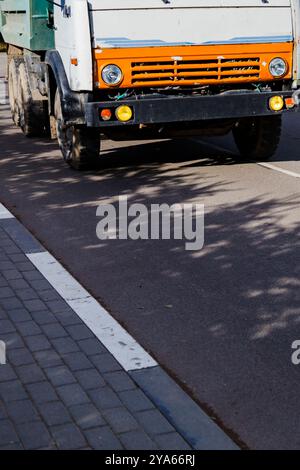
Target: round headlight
<point>278,67</point>
<point>112,75</point>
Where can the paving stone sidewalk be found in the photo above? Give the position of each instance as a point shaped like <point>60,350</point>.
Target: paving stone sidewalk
<point>60,388</point>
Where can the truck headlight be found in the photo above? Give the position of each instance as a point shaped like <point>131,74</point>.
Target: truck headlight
<point>278,67</point>
<point>112,75</point>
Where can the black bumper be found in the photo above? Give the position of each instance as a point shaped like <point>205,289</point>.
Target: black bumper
<point>174,109</point>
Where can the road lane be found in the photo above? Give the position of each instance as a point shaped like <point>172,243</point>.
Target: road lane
<point>222,320</point>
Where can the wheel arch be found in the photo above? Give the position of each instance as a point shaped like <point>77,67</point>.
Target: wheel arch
<point>72,103</point>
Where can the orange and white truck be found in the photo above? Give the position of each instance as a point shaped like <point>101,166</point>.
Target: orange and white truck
<point>133,69</point>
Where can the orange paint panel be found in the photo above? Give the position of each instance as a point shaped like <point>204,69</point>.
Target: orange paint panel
<point>192,65</point>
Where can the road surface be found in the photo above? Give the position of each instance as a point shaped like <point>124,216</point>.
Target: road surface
<point>221,320</point>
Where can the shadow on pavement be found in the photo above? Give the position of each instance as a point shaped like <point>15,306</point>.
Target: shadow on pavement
<point>222,320</point>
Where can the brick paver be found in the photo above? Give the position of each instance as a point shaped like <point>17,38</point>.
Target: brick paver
<point>61,388</point>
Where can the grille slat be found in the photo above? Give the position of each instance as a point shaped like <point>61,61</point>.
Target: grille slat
<point>189,72</point>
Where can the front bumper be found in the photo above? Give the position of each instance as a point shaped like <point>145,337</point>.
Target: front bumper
<point>175,109</point>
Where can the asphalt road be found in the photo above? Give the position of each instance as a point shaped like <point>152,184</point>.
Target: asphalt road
<point>221,320</point>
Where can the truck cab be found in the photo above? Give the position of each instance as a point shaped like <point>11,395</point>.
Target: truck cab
<point>153,68</point>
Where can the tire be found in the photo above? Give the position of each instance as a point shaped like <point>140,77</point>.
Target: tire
<point>34,118</point>
<point>79,145</point>
<point>13,91</point>
<point>258,138</point>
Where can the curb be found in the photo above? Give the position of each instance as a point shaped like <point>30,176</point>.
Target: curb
<point>194,425</point>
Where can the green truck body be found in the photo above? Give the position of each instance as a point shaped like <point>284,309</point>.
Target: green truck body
<point>23,23</point>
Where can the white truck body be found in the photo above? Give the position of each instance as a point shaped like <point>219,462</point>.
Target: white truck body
<point>201,22</point>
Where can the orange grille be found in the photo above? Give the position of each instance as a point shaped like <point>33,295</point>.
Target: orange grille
<point>193,65</point>
<point>192,72</point>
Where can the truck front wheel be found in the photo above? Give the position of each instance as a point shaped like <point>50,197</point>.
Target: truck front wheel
<point>79,145</point>
<point>257,138</point>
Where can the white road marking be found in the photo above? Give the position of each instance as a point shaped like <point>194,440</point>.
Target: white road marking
<point>279,169</point>
<point>4,213</point>
<point>112,335</point>
<point>119,343</point>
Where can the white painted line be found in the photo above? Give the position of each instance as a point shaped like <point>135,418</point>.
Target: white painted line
<point>265,165</point>
<point>279,169</point>
<point>112,335</point>
<point>67,287</point>
<point>4,213</point>
<point>119,343</point>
